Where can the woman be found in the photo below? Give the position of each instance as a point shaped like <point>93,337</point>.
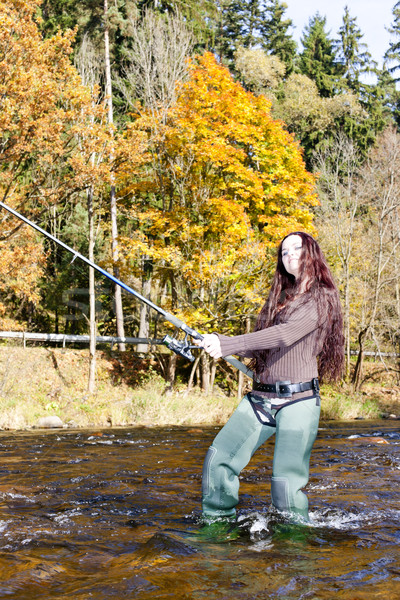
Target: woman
<point>298,331</point>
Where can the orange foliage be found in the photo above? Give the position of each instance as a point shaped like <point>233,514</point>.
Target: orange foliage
<point>50,127</point>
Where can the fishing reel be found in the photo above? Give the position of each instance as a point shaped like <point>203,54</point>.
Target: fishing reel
<point>180,347</point>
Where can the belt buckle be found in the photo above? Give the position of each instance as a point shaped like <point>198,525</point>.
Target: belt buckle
<point>283,394</point>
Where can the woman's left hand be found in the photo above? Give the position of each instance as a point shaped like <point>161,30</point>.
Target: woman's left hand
<point>211,344</point>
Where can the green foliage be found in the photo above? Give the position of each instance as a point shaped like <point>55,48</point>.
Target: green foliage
<point>253,24</point>
<point>227,26</point>
<point>58,14</point>
<point>353,54</point>
<point>274,33</point>
<point>392,55</point>
<point>315,119</point>
<point>239,26</point>
<point>318,60</point>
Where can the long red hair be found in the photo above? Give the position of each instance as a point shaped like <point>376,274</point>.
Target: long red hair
<point>314,281</point>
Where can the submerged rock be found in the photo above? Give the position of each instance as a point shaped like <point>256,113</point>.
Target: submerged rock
<point>51,422</point>
<point>162,546</point>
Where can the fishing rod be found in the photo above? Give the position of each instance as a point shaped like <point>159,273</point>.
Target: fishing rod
<point>181,347</point>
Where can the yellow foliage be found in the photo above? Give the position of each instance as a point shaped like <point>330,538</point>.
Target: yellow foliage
<point>228,182</point>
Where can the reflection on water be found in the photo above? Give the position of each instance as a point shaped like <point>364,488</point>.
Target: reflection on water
<point>115,514</point>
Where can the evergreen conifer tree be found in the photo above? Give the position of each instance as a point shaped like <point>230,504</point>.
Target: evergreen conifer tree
<point>381,101</point>
<point>392,55</point>
<point>352,52</point>
<point>231,29</point>
<point>275,37</point>
<point>240,26</point>
<point>317,60</point>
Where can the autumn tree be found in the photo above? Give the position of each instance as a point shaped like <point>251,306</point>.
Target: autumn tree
<point>380,188</point>
<point>46,113</point>
<point>231,183</point>
<point>154,64</point>
<point>359,223</point>
<point>259,72</point>
<point>339,220</point>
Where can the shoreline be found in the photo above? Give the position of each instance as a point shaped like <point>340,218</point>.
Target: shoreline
<point>145,425</point>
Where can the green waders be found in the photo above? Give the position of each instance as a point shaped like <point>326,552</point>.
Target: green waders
<point>296,427</point>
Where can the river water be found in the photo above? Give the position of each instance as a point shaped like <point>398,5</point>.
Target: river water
<point>114,514</point>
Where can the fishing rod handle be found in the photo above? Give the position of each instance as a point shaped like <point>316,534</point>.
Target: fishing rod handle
<point>239,366</point>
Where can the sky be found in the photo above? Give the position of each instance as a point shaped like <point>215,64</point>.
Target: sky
<point>372,18</point>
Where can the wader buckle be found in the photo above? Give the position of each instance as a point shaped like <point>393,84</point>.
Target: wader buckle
<point>283,389</point>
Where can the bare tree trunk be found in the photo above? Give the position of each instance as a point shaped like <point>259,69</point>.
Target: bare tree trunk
<point>90,67</point>
<point>54,232</point>
<point>198,378</point>
<point>205,372</point>
<point>171,372</point>
<point>347,320</point>
<point>241,379</point>
<point>395,235</point>
<point>92,299</point>
<point>240,384</point>
<point>113,200</point>
<point>212,374</point>
<point>144,323</point>
<point>192,374</point>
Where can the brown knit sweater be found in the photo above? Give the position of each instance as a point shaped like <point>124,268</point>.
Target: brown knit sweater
<point>295,343</point>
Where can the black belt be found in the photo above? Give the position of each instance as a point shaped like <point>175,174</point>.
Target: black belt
<point>285,389</point>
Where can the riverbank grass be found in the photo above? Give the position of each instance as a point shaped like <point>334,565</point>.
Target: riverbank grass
<point>36,382</point>
<point>342,403</point>
<point>40,382</point>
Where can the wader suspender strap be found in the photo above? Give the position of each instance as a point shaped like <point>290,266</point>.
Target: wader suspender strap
<point>267,418</point>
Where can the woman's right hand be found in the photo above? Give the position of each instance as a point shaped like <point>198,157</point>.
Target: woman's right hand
<point>211,344</point>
